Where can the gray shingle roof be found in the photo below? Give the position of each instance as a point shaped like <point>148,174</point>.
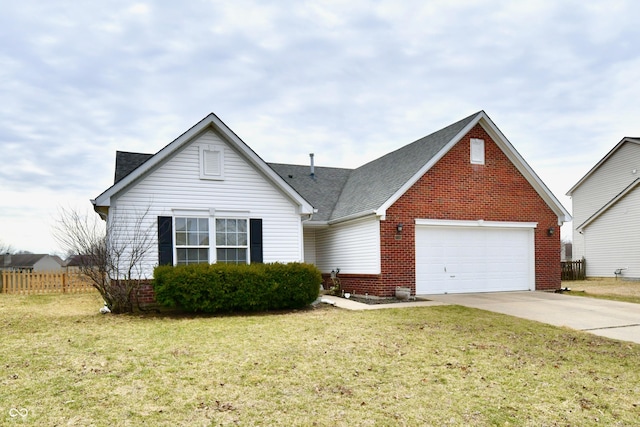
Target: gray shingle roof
<point>127,162</point>
<point>22,260</point>
<point>372,184</point>
<point>336,192</point>
<point>322,190</point>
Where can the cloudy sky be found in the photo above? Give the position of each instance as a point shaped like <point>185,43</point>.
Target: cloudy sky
<point>347,80</point>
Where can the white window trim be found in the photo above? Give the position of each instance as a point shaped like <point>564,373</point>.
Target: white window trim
<point>477,153</point>
<point>191,214</point>
<point>211,215</point>
<point>239,215</point>
<point>203,172</point>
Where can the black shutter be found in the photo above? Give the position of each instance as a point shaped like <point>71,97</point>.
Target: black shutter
<point>255,244</point>
<point>165,240</point>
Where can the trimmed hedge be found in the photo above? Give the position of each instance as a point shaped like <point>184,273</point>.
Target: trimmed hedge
<point>211,288</point>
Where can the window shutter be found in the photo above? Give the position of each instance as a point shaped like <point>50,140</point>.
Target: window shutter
<point>255,243</point>
<point>165,240</point>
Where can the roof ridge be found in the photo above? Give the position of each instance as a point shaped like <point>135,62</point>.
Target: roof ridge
<point>382,177</point>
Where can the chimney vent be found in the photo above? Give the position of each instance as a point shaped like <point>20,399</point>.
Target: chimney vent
<point>7,259</point>
<point>313,169</point>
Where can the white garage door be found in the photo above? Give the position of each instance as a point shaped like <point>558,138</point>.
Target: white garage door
<point>474,258</point>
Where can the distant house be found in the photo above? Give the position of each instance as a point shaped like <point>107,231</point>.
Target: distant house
<point>31,262</point>
<point>606,213</point>
<point>73,263</point>
<point>456,211</point>
<point>567,251</point>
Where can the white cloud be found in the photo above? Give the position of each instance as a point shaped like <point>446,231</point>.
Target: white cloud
<point>347,80</point>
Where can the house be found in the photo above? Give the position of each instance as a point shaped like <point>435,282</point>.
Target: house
<point>606,210</point>
<point>74,263</point>
<point>456,211</point>
<point>31,262</point>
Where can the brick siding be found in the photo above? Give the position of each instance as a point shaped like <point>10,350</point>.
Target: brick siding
<point>454,189</point>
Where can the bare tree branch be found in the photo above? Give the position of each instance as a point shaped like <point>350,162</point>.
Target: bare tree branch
<point>6,248</point>
<point>110,255</point>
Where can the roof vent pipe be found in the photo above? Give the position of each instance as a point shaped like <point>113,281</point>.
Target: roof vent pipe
<point>313,169</point>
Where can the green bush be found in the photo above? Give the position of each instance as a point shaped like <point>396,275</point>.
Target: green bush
<point>211,288</point>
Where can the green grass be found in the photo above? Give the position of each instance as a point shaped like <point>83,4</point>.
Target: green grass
<point>68,365</point>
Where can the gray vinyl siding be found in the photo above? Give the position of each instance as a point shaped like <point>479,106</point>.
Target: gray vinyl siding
<point>353,246</point>
<point>176,185</point>
<point>613,176</point>
<point>613,241</point>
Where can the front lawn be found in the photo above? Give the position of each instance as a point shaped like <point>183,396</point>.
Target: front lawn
<point>62,363</point>
<point>606,288</point>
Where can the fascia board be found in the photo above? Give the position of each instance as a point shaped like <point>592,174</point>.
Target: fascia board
<point>524,168</point>
<point>507,148</point>
<point>609,204</point>
<point>600,163</point>
<point>382,210</point>
<point>155,160</point>
<point>352,217</point>
<point>213,121</point>
<point>252,156</point>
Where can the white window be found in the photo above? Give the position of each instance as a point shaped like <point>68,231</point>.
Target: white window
<point>477,151</point>
<point>211,162</point>
<point>232,242</point>
<point>192,240</point>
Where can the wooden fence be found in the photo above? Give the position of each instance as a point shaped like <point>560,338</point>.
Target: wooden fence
<point>574,270</point>
<point>27,283</point>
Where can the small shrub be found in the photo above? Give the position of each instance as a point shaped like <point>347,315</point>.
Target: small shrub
<point>211,288</point>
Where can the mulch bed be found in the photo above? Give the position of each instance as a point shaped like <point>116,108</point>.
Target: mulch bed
<point>372,301</point>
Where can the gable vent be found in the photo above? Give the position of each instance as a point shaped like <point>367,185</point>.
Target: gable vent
<point>477,151</point>
<point>211,163</point>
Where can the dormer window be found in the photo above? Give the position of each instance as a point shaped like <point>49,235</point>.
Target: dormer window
<point>211,163</point>
<point>477,151</point>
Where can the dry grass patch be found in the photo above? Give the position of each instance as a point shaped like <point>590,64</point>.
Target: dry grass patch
<point>68,365</point>
<point>606,288</point>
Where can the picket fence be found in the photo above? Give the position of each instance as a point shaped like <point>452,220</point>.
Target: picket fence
<point>43,282</point>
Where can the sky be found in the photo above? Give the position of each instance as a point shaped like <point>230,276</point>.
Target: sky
<point>346,80</point>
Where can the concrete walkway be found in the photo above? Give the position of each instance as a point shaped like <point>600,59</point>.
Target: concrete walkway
<point>612,319</point>
<point>354,305</point>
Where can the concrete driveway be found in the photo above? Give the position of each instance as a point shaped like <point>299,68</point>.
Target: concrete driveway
<point>613,319</point>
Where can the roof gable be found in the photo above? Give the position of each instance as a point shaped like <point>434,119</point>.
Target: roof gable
<point>609,204</point>
<point>339,194</point>
<point>371,186</point>
<point>24,260</point>
<point>126,177</point>
<point>610,154</point>
<point>374,187</point>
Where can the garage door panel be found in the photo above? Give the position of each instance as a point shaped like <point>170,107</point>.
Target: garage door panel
<point>473,259</point>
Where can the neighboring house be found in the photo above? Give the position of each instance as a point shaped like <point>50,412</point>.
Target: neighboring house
<point>31,262</point>
<point>606,213</point>
<point>456,211</point>
<point>73,263</point>
<point>566,253</point>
